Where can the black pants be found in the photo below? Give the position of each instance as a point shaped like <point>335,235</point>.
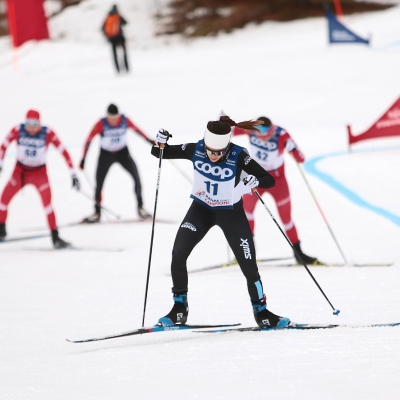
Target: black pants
<point>106,159</point>
<point>197,222</point>
<point>119,42</point>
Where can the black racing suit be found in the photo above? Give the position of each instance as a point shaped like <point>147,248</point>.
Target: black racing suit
<point>233,222</point>
<point>106,159</point>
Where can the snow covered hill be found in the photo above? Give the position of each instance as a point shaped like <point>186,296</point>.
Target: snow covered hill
<point>285,71</point>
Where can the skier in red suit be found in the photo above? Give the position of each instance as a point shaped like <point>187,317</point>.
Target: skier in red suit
<point>113,148</point>
<point>267,149</point>
<point>32,143</point>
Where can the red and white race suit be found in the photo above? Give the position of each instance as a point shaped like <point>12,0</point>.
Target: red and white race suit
<point>31,167</point>
<point>268,150</point>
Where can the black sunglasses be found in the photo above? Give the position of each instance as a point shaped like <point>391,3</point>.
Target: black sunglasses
<point>216,152</point>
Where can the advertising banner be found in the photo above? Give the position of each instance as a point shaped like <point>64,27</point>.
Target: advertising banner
<point>26,21</point>
<point>387,125</point>
<point>338,33</point>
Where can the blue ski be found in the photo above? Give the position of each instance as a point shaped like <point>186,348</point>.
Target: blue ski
<point>153,329</point>
<point>293,326</point>
<point>19,239</point>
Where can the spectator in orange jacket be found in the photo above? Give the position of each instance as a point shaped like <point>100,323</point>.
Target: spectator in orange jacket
<point>112,29</point>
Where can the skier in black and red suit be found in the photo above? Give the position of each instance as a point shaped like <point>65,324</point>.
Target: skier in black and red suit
<point>267,148</point>
<point>32,143</point>
<point>113,142</point>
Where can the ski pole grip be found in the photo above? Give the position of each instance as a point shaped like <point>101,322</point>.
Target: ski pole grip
<point>165,133</point>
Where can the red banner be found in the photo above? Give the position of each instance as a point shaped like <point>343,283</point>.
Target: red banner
<point>387,125</point>
<point>27,21</point>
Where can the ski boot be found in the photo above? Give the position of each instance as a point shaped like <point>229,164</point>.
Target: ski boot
<point>265,318</point>
<point>143,214</point>
<point>92,219</point>
<point>3,232</point>
<point>179,313</point>
<point>304,257</point>
<point>58,243</point>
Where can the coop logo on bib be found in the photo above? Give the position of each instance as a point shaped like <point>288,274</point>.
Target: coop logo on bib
<point>269,145</point>
<point>114,131</point>
<point>216,170</point>
<point>35,142</point>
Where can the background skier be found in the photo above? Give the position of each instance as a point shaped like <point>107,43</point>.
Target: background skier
<point>266,147</point>
<point>32,143</point>
<point>112,130</point>
<point>112,29</point>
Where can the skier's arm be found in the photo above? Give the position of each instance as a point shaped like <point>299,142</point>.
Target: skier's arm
<point>131,125</point>
<point>251,167</point>
<point>292,148</point>
<point>13,135</point>
<point>179,151</point>
<point>123,20</point>
<point>97,129</point>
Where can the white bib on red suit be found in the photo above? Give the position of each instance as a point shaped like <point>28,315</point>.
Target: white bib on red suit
<point>31,150</point>
<point>268,150</point>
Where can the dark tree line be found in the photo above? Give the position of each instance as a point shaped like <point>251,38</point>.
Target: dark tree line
<point>208,17</point>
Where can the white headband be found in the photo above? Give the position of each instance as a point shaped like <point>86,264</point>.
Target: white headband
<point>216,142</point>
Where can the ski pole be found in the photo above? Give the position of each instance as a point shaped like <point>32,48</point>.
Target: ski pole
<point>152,227</point>
<point>335,312</point>
<point>320,210</point>
<point>102,207</point>
<point>89,181</point>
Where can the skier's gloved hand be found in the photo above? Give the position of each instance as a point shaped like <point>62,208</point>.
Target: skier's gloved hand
<point>75,182</point>
<point>162,136</point>
<point>82,164</point>
<point>251,181</point>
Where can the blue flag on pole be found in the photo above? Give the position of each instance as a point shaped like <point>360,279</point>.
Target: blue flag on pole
<point>338,33</point>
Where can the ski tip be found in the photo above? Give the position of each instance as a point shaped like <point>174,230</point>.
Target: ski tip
<point>336,312</point>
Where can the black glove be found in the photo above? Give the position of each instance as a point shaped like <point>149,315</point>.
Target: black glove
<point>151,141</point>
<point>82,164</point>
<point>75,182</point>
<point>162,136</point>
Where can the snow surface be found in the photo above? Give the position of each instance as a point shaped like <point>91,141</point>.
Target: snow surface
<point>284,70</point>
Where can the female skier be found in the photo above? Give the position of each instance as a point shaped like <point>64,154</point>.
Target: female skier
<point>267,147</point>
<point>32,143</point>
<point>217,193</point>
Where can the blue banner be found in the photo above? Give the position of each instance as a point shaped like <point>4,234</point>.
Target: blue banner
<point>338,33</point>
